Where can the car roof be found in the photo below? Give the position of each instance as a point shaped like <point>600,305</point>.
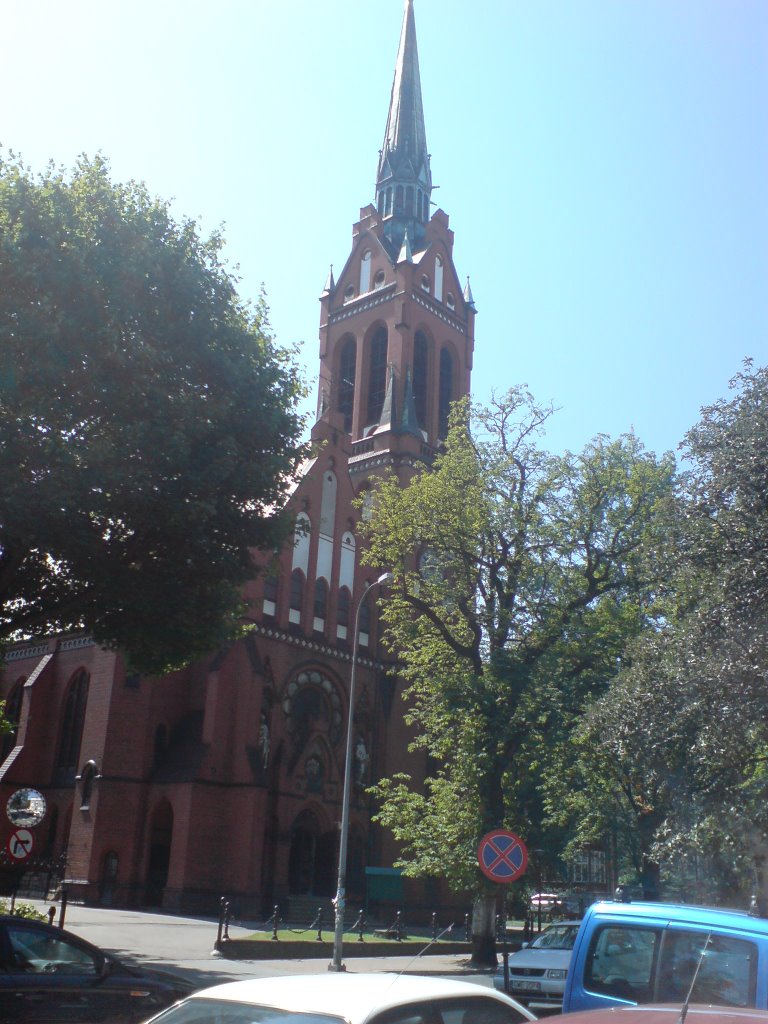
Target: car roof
<point>738,919</point>
<point>352,996</point>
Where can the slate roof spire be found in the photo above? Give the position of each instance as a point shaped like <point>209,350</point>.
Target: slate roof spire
<point>404,179</point>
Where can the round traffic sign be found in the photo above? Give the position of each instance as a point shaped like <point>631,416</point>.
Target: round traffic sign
<point>502,856</point>
<point>20,844</point>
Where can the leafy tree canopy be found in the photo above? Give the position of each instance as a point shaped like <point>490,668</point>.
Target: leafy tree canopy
<point>680,740</point>
<point>519,577</point>
<point>148,419</point>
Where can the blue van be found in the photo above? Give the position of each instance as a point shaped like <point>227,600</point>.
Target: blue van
<point>631,953</point>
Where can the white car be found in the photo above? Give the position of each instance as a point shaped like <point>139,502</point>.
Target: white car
<point>346,998</point>
<point>538,971</point>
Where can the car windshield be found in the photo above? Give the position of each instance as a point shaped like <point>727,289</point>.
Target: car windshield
<point>556,937</point>
<point>221,1011</point>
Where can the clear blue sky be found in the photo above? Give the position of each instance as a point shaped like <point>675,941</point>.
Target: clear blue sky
<point>604,164</point>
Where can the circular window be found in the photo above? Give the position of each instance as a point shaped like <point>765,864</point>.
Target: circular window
<point>378,281</point>
<point>425,283</point>
<point>450,301</point>
<point>349,292</point>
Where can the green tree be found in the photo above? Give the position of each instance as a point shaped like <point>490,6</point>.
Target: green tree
<point>148,420</point>
<point>680,741</point>
<point>518,578</point>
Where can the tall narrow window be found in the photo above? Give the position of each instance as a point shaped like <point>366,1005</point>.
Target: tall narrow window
<point>364,636</point>
<point>342,614</point>
<point>321,605</point>
<point>87,778</point>
<point>365,272</point>
<point>73,720</point>
<point>269,606</point>
<point>399,201</point>
<point>377,375</point>
<point>438,278</point>
<point>420,375</point>
<point>409,201</point>
<point>347,370</point>
<point>446,392</point>
<point>297,597</point>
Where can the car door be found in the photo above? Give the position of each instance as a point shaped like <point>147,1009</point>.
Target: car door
<point>45,977</point>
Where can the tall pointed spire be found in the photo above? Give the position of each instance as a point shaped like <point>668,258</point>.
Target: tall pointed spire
<point>404,179</point>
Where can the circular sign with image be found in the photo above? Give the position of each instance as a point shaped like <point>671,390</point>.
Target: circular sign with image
<point>26,808</point>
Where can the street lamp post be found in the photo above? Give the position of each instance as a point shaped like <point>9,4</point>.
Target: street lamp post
<point>338,935</point>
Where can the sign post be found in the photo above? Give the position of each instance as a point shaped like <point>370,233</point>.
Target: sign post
<point>503,857</point>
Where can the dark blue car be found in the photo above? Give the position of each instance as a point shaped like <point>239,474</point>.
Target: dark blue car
<point>48,974</point>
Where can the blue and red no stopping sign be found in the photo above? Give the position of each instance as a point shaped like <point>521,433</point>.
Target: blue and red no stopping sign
<point>502,856</point>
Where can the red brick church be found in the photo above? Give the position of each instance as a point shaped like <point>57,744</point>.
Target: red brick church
<point>226,778</point>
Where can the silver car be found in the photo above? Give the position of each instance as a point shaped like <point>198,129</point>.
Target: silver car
<point>538,971</point>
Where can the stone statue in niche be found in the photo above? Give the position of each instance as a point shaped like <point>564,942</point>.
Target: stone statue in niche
<point>361,760</point>
<point>313,772</point>
<point>264,740</point>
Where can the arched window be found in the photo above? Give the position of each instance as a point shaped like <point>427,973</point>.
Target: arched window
<point>87,777</point>
<point>438,278</point>
<point>399,201</point>
<point>382,196</point>
<point>377,375</point>
<point>388,209</point>
<point>342,613</point>
<point>73,719</point>
<point>365,272</point>
<point>269,606</point>
<point>321,605</point>
<point>297,597</point>
<point>409,201</point>
<point>347,370</point>
<point>364,634</point>
<point>446,392</point>
<point>420,375</point>
<point>12,712</point>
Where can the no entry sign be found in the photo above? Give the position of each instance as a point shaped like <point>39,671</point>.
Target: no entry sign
<point>502,856</point>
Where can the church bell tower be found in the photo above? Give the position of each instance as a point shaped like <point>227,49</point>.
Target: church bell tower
<point>396,328</point>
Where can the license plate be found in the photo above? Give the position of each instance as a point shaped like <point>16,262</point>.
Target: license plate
<point>526,986</point>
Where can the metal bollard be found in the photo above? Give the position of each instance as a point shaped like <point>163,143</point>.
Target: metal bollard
<point>467,932</point>
<point>275,918</point>
<point>319,920</point>
<point>434,927</point>
<point>398,927</point>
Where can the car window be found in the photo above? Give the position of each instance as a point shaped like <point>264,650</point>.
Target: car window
<point>620,961</point>
<point>220,1011</point>
<point>727,968</point>
<point>476,1010</point>
<point>410,1013</point>
<point>556,937</point>
<point>38,952</point>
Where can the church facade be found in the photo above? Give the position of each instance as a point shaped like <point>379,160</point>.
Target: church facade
<point>226,778</point>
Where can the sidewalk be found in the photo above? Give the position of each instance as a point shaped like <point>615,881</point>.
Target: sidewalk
<point>186,946</point>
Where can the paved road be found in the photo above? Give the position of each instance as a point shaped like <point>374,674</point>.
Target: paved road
<point>185,945</point>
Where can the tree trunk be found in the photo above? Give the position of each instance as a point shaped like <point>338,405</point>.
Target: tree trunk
<point>759,901</point>
<point>484,931</point>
